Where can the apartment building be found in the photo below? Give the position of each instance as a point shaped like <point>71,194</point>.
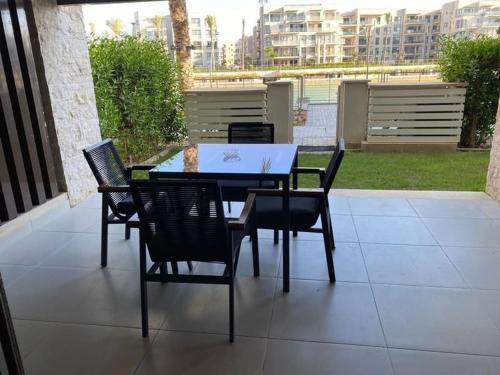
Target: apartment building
<point>470,18</point>
<point>299,34</point>
<point>317,34</point>
<point>199,32</point>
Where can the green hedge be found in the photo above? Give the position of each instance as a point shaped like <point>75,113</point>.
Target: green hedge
<point>139,100</point>
<point>477,63</point>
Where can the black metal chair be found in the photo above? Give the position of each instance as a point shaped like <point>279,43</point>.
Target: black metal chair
<point>113,179</point>
<point>8,339</point>
<point>183,220</point>
<point>306,205</point>
<point>245,133</point>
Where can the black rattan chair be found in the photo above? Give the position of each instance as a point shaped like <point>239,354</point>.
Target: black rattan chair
<point>306,206</point>
<point>183,220</point>
<point>113,179</point>
<point>244,133</point>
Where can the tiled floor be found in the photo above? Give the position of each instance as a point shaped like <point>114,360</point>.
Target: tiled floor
<point>418,292</point>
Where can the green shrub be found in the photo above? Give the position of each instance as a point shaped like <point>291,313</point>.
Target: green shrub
<point>139,100</point>
<point>477,63</point>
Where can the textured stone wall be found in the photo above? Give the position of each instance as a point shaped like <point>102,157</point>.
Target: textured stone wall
<point>63,47</point>
<point>493,185</point>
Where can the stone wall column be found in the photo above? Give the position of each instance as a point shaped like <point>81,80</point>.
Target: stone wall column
<point>493,184</point>
<point>66,74</point>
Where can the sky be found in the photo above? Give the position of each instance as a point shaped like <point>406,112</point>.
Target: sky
<point>229,13</point>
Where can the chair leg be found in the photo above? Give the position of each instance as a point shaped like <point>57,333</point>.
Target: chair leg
<point>295,233</point>
<point>327,241</point>
<point>231,303</point>
<point>163,271</point>
<point>104,231</point>
<point>144,289</point>
<point>229,206</point>
<point>127,232</point>
<point>190,265</point>
<point>332,239</point>
<point>276,236</point>
<point>175,268</point>
<point>255,253</point>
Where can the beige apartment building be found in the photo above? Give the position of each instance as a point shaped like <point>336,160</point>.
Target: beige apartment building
<point>315,34</point>
<point>228,54</point>
<point>300,34</point>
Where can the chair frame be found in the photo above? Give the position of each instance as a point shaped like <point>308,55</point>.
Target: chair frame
<point>114,217</point>
<point>322,195</point>
<point>157,273</point>
<point>8,339</point>
<point>249,124</point>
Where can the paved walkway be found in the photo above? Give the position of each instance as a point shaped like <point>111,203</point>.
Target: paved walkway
<point>320,128</point>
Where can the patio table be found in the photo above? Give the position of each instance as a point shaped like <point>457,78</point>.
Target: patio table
<point>273,162</point>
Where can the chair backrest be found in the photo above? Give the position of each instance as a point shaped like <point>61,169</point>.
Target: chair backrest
<point>182,219</point>
<point>108,169</point>
<point>333,166</point>
<point>250,132</point>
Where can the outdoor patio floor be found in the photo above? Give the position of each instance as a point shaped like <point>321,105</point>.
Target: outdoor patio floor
<point>418,292</point>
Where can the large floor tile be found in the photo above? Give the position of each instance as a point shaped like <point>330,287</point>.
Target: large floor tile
<point>308,261</point>
<point>392,230</point>
<point>381,207</point>
<point>269,260</point>
<point>491,208</point>
<point>479,266</point>
<point>464,232</point>
<point>439,319</point>
<point>343,230</point>
<point>108,297</point>
<point>54,348</point>
<point>193,354</point>
<point>73,220</point>
<point>411,265</point>
<point>299,357</point>
<point>319,311</point>
<point>12,273</point>
<point>33,248</point>
<point>84,250</point>
<point>412,362</point>
<point>205,308</point>
<point>448,208</point>
<point>490,300</point>
<point>339,205</point>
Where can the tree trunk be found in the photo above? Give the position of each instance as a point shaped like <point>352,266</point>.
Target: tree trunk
<point>178,13</point>
<point>471,137</point>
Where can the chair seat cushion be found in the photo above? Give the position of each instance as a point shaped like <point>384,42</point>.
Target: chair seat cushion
<point>126,206</point>
<point>237,190</point>
<point>304,212</point>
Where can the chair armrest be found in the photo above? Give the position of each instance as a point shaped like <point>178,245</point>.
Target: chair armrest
<point>307,170</point>
<point>243,221</point>
<point>113,189</point>
<point>305,193</point>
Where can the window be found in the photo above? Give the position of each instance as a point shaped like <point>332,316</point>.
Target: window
<point>196,34</point>
<point>275,17</point>
<point>195,22</point>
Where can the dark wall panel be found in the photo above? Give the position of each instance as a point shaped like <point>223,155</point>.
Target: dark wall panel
<point>27,171</point>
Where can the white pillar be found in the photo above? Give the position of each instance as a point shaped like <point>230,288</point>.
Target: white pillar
<point>280,110</point>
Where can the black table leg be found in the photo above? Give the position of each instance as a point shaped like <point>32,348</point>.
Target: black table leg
<point>286,235</point>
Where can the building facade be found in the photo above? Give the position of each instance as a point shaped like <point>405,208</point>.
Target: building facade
<point>316,34</point>
<point>299,34</point>
<point>228,54</point>
<point>199,33</point>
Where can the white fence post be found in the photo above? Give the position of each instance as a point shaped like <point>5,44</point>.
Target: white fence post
<point>280,110</point>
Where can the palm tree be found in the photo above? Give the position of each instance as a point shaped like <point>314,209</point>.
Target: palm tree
<point>116,25</point>
<point>388,19</point>
<point>212,24</point>
<point>157,22</point>
<point>178,14</point>
<point>270,53</point>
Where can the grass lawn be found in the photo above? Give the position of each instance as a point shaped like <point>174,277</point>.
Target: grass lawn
<point>459,171</point>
